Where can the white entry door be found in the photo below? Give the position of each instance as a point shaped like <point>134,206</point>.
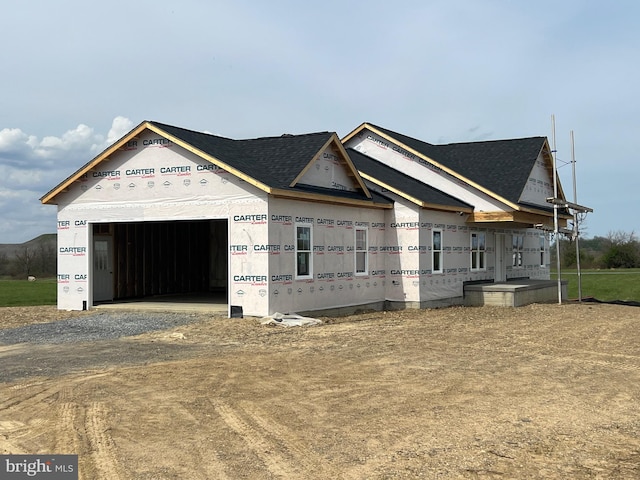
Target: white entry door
<point>501,273</point>
<point>102,269</point>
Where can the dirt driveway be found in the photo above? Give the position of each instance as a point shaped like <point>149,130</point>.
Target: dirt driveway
<point>538,392</point>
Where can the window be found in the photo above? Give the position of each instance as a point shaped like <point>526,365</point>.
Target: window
<point>101,255</point>
<point>436,251</point>
<point>478,246</point>
<point>518,250</point>
<point>304,247</point>
<point>542,242</point>
<point>361,251</point>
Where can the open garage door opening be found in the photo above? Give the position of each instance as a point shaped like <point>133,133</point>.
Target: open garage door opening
<point>182,261</point>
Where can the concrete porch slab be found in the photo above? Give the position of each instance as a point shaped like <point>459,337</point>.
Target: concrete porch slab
<point>514,293</point>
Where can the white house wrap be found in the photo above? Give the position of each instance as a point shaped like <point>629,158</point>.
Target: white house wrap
<point>301,223</point>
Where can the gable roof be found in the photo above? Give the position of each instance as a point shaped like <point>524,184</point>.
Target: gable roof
<point>405,186</point>
<point>274,161</point>
<point>502,166</point>
<point>272,164</point>
<point>499,168</point>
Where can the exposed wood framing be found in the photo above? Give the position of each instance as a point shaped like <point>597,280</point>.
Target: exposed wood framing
<point>525,218</point>
<point>161,258</point>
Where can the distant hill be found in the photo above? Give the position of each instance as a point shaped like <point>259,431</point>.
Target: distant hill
<point>37,256</point>
<point>10,249</point>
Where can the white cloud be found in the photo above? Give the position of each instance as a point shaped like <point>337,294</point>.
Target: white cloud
<point>14,143</point>
<point>81,139</point>
<point>29,167</point>
<point>119,127</point>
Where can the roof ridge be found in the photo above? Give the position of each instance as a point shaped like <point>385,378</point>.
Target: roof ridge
<point>393,132</point>
<point>471,142</point>
<point>287,135</point>
<point>160,124</point>
<point>284,135</point>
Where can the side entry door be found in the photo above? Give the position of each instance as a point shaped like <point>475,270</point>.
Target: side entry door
<point>102,269</point>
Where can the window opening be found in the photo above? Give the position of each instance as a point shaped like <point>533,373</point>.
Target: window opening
<point>478,248</point>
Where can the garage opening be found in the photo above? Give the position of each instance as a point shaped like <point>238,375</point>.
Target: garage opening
<point>178,261</point>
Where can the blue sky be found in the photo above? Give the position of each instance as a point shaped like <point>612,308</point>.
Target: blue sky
<point>77,75</point>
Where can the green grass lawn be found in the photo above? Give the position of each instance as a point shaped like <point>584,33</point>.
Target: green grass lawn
<point>621,284</point>
<point>20,293</point>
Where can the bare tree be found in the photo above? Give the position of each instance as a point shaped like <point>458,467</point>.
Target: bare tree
<point>25,260</point>
<point>4,263</point>
<point>46,258</point>
<point>580,219</point>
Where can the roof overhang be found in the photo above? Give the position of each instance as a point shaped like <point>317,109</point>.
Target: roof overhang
<point>517,218</point>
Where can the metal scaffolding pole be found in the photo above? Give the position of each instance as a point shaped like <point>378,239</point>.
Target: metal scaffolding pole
<point>556,227</point>
<point>576,230</point>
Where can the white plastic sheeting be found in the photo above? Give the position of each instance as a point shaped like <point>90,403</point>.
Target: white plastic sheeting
<point>289,320</point>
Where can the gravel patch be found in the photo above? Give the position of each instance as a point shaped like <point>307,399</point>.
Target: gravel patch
<point>89,328</point>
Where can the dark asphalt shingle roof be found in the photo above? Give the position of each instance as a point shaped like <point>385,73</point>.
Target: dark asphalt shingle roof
<point>500,166</point>
<point>402,182</point>
<point>273,161</point>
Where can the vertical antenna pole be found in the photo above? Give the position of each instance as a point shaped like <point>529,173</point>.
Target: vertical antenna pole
<point>576,231</point>
<point>556,227</point>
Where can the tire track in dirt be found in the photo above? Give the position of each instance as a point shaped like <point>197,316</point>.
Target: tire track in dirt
<point>290,442</point>
<point>101,444</point>
<point>11,349</point>
<point>25,400</point>
<point>30,411</point>
<point>8,447</point>
<point>66,441</point>
<point>10,430</point>
<point>205,462</point>
<point>256,441</point>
